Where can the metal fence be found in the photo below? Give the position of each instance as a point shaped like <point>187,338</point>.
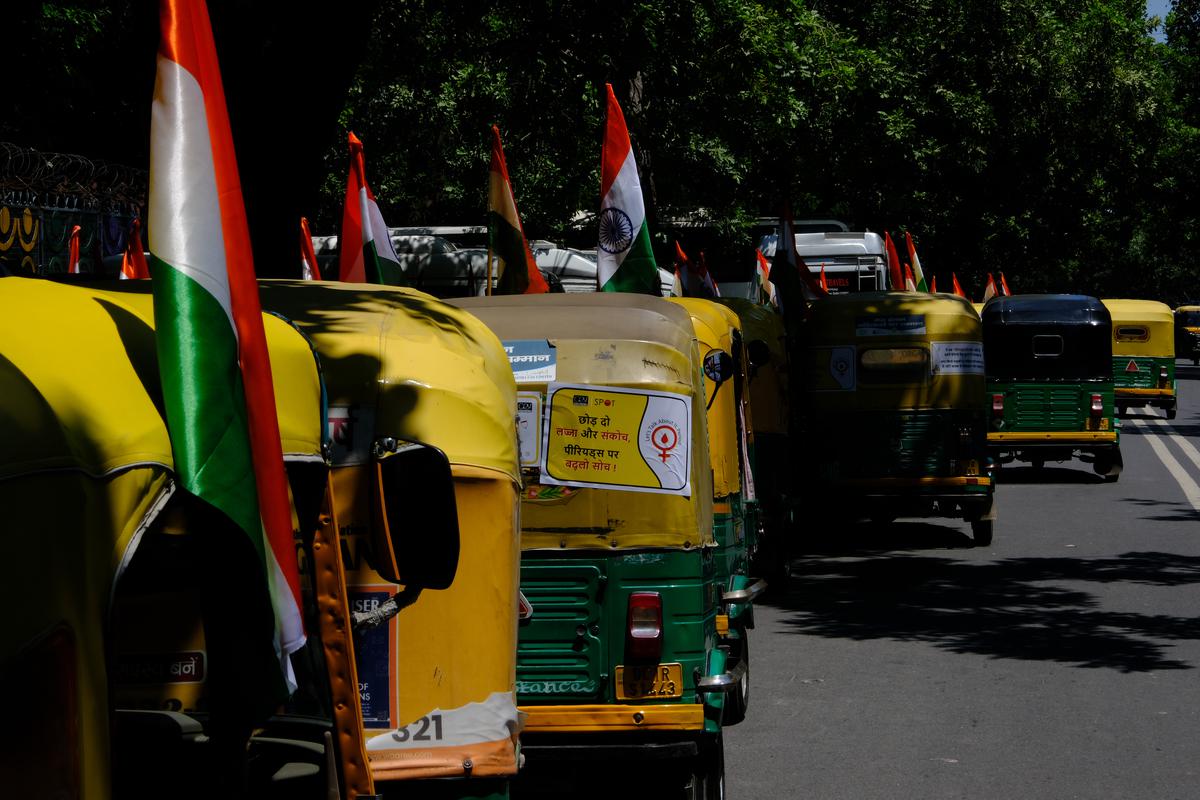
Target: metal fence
<point>44,195</point>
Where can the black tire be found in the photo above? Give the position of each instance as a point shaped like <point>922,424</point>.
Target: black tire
<point>1171,413</point>
<point>1037,463</point>
<point>1109,465</point>
<point>737,703</point>
<point>981,532</point>
<point>707,781</point>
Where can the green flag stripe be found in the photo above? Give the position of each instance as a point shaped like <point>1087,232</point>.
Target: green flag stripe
<point>380,269</point>
<point>204,398</point>
<point>638,271</point>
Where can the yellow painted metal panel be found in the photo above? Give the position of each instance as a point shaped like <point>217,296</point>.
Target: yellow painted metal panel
<point>1083,437</point>
<point>583,718</point>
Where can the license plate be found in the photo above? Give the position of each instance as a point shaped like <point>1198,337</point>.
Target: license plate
<point>650,682</point>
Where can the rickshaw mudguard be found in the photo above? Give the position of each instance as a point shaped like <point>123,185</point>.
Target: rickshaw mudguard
<point>437,691</point>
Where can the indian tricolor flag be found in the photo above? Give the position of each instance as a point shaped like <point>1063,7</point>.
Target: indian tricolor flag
<point>918,273</point>
<point>624,259</point>
<point>366,249</point>
<point>212,351</point>
<point>309,271</point>
<point>518,272</point>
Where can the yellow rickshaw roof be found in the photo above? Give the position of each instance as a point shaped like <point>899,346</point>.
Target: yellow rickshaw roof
<point>1149,311</point>
<point>81,379</point>
<point>1187,308</point>
<point>837,316</point>
<point>432,373</point>
<point>626,317</point>
<point>759,321</point>
<point>1157,318</point>
<point>711,321</point>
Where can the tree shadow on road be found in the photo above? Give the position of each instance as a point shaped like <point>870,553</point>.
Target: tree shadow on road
<point>1003,609</point>
<point>1047,475</point>
<point>1171,511</point>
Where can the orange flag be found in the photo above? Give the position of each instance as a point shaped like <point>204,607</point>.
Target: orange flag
<point>824,283</point>
<point>73,252</point>
<point>309,270</point>
<point>958,290</point>
<point>133,262</point>
<point>895,273</point>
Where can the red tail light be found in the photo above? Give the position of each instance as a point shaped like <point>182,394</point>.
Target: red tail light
<point>1097,405</point>
<point>644,634</point>
<point>997,404</point>
<point>1162,376</point>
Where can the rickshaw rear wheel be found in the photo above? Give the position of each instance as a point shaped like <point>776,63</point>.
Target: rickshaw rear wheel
<point>737,703</point>
<point>707,781</point>
<point>1171,413</point>
<point>981,532</point>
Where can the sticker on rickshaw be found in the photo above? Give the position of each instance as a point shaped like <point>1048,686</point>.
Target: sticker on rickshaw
<point>890,325</point>
<point>629,439</point>
<point>956,358</point>
<point>374,656</point>
<point>532,360</point>
<point>832,369</point>
<point>529,428</point>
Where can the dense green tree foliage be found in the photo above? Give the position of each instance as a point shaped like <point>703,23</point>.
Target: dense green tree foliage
<point>1058,142</point>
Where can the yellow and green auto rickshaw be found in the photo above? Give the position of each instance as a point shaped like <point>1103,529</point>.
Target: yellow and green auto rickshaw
<point>142,608</point>
<point>437,681</point>
<point>1187,333</point>
<point>893,409</point>
<point>1143,354</point>
<point>735,502</point>
<point>771,453</point>
<point>1049,377</point>
<point>618,652</point>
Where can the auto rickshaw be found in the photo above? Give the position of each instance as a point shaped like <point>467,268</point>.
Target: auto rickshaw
<point>735,501</point>
<point>893,409</point>
<point>771,455</point>
<point>1049,376</point>
<point>1187,333</point>
<point>129,670</point>
<point>618,650</point>
<point>1143,334</point>
<point>437,681</point>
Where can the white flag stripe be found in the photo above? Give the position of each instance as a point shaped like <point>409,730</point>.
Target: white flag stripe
<point>180,150</point>
<point>626,195</point>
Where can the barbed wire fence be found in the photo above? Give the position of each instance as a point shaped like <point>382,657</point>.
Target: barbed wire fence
<point>43,195</point>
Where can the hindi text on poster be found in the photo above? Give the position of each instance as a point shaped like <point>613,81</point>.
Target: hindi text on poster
<point>617,439</point>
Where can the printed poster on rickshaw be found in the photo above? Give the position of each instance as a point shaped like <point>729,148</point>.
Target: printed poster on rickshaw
<point>609,438</point>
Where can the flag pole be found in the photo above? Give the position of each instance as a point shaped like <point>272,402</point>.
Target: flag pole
<point>489,273</point>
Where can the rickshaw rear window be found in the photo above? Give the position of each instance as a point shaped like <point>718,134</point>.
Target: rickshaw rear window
<point>1190,319</point>
<point>1047,346</point>
<point>893,364</point>
<point>1131,333</point>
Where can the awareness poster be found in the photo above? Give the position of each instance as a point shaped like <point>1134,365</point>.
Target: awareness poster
<point>610,438</point>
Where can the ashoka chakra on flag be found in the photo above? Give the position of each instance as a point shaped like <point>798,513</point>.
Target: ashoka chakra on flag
<point>616,230</point>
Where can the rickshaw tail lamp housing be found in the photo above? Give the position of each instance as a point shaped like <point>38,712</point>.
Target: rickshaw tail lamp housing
<point>997,404</point>
<point>1162,376</point>
<point>644,632</point>
<point>1097,405</point>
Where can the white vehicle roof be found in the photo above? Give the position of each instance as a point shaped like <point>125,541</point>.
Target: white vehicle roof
<point>835,243</point>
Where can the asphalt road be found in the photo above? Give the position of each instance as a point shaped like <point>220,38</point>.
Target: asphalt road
<point>1061,662</point>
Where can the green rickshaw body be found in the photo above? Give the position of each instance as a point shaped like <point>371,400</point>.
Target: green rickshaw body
<point>1143,354</point>
<point>616,527</point>
<point>771,455</point>
<point>893,408</point>
<point>1050,381</point>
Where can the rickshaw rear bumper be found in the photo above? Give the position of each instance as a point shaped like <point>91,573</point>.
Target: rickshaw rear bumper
<point>1021,440</point>
<point>561,734</point>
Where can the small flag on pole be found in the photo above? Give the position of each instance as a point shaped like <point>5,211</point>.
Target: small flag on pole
<point>1004,286</point>
<point>989,291</point>
<point>766,288</point>
<point>824,282</point>
<point>933,284</point>
<point>309,270</point>
<point>624,259</point>
<point>366,249</point>
<point>918,273</point>
<point>958,290</point>
<point>895,271</point>
<point>133,261</point>
<point>212,350</point>
<point>518,272</point>
<point>73,251</point>
<point>910,285</point>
